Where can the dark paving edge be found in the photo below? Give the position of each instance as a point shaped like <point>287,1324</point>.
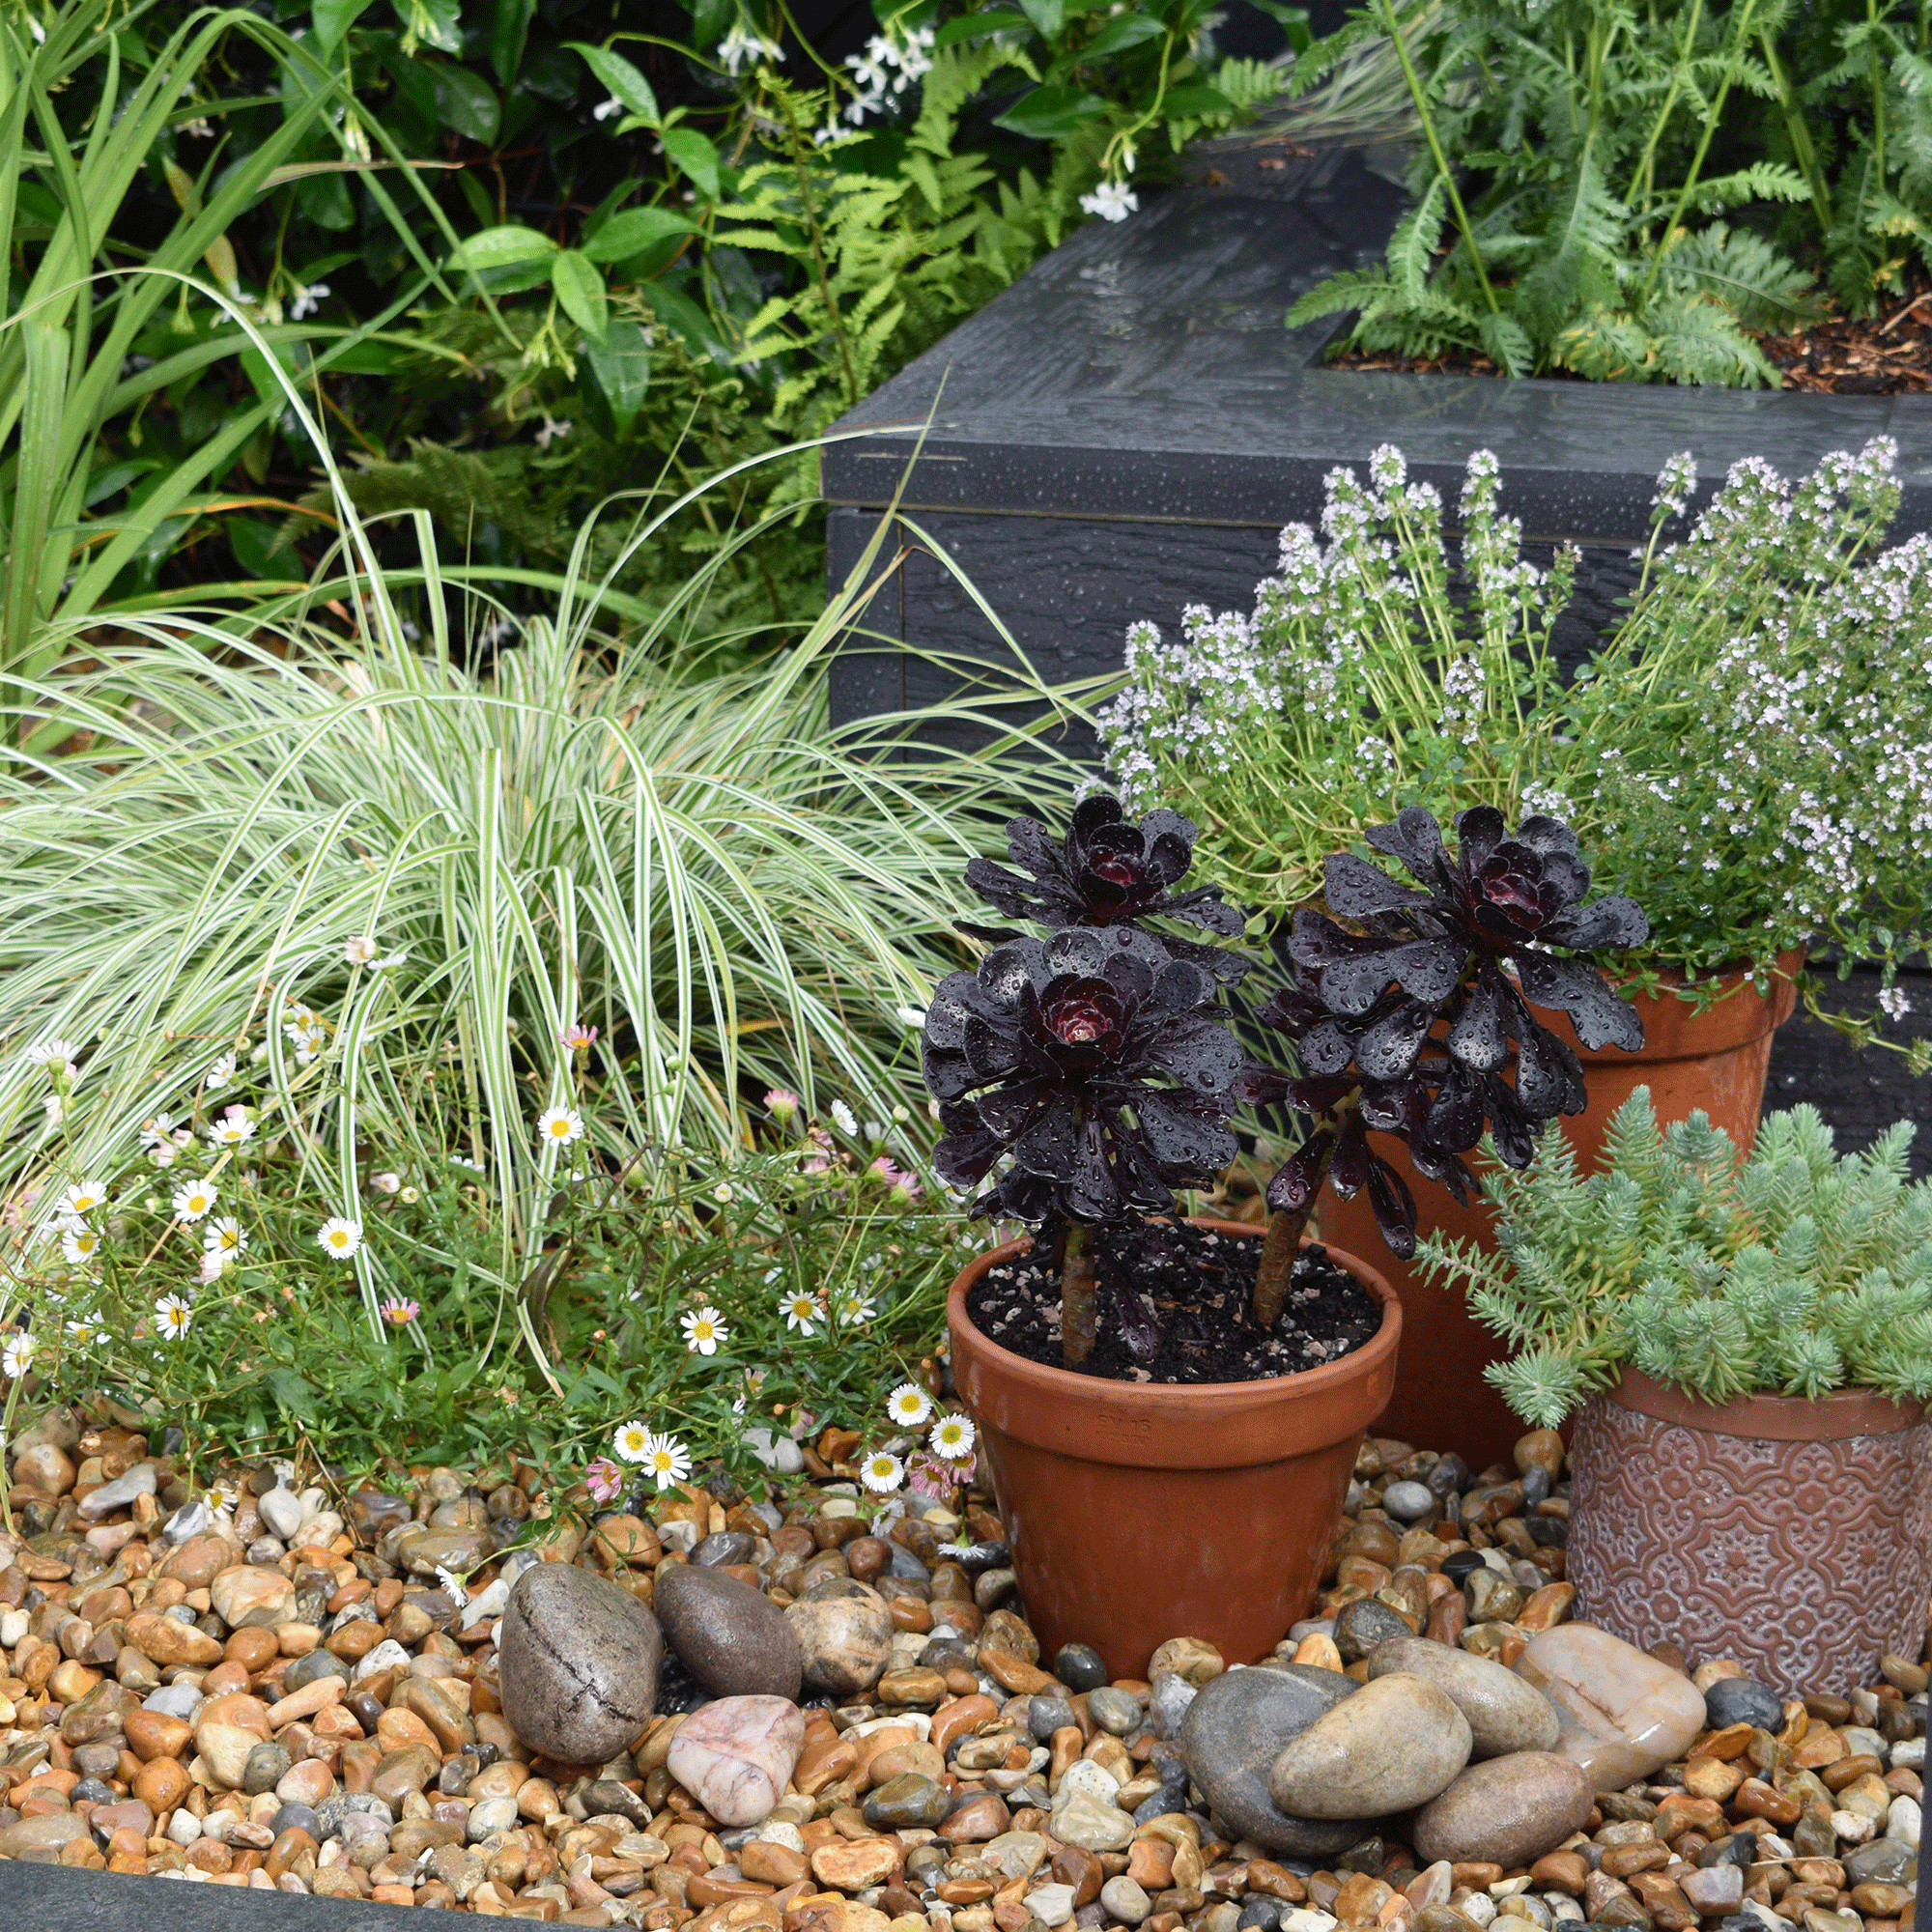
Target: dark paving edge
<point>60,1899</point>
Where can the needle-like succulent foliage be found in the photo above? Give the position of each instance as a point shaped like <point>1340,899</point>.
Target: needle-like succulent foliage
<point>1412,1019</point>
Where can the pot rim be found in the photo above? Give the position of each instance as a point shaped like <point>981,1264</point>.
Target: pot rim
<point>1153,1424</point>
<point>1836,1416</point>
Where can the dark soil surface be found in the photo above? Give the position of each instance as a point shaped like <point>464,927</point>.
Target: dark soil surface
<point>1199,1291</point>
<point>1885,354</point>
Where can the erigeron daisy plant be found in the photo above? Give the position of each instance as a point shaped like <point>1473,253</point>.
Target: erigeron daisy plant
<point>704,1330</point>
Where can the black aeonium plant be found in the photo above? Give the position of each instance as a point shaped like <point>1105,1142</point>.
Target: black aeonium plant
<point>1087,1063</point>
<point>1109,872</point>
<point>1413,1019</point>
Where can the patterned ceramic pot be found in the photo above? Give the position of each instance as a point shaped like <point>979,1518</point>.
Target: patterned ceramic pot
<point>1794,1536</point>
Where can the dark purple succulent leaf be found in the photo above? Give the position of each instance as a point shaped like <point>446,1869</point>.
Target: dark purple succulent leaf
<point>1195,1050</point>
<point>1549,1077</point>
<point>1082,1021</point>
<point>1293,1008</point>
<point>1326,1048</point>
<point>1349,1165</point>
<point>1354,985</point>
<point>1393,1207</point>
<point>1045,1145</point>
<point>1075,948</point>
<point>1319,1094</point>
<point>967,1150</point>
<point>1543,834</point>
<point>1387,1106</point>
<point>1008,1111</point>
<point>1030,844</point>
<point>1439,1164</point>
<point>1388,1049</point>
<point>1226,967</point>
<point>1570,879</point>
<point>1416,839</point>
<point>1143,1187</point>
<point>1318,941</point>
<point>1300,1179</point>
<point>1427,969</point>
<point>1134,981</point>
<point>991,1052</point>
<point>1180,988</point>
<point>1095,811</point>
<point>1356,890</point>
<point>1020,1196</point>
<point>1515,882</point>
<point>1011,894</point>
<point>1259,1086</point>
<point>1138,1330</point>
<point>1479,830</point>
<point>1205,906</point>
<point>1608,925</point>
<point>957,998</point>
<point>947,1075</point>
<point>1009,969</point>
<point>1478,1037</point>
<point>1162,827</point>
<point>1514,1132</point>
<point>1090,1192</point>
<point>1575,987</point>
<point>1457,1116</point>
<point>1180,1137</point>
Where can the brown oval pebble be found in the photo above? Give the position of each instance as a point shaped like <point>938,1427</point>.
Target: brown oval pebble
<point>855,1863</point>
<point>1507,1811</point>
<point>162,1783</point>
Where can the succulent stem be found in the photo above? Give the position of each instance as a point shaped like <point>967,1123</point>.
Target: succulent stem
<point>1277,1266</point>
<point>1077,1296</point>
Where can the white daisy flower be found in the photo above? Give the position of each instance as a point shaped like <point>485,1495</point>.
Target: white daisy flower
<point>909,1405</point>
<point>854,1308</point>
<point>559,1126</point>
<point>225,1237</point>
<point>453,1583</point>
<point>194,1200</point>
<point>80,1245</point>
<point>952,1441</point>
<point>235,1130</point>
<point>220,1075</point>
<point>51,1053</point>
<point>17,1356</point>
<point>668,1461</point>
<point>800,1311</point>
<point>704,1329</point>
<point>174,1316</point>
<point>338,1238</point>
<point>882,1474</point>
<point>85,1332</point>
<point>359,948</point>
<point>79,1203</point>
<point>212,1263</point>
<point>632,1442</point>
<point>843,1119</point>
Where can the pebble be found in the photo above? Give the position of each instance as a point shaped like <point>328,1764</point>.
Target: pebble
<point>1622,1714</point>
<point>120,1494</point>
<point>736,1754</point>
<point>1079,1667</point>
<point>1742,1700</point>
<point>1409,1501</point>
<point>1505,1713</point>
<point>732,1638</point>
<point>1235,1729</point>
<point>1395,1744</point>
<point>1506,1811</point>
<point>580,1659</point>
<point>845,1642</point>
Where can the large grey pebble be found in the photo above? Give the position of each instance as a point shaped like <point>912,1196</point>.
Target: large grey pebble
<point>578,1660</point>
<point>1236,1728</point>
<point>732,1637</point>
<point>1504,1713</point>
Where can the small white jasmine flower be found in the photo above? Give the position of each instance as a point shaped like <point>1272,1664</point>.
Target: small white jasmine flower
<point>559,1126</point>
<point>17,1356</point>
<point>704,1329</point>
<point>174,1316</point>
<point>605,109</point>
<point>909,1405</point>
<point>339,1238</point>
<point>632,1442</point>
<point>910,1016</point>
<point>666,1461</point>
<point>842,1118</point>
<point>79,1203</point>
<point>882,1473</point>
<point>194,1200</point>
<point>303,304</point>
<point>800,1311</point>
<point>225,1236</point>
<point>552,432</point>
<point>1111,201</point>
<point>951,1438</point>
<point>357,951</point>
<point>79,1247</point>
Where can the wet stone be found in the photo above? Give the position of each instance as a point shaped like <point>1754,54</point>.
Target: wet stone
<point>579,1662</point>
<point>1362,1625</point>
<point>1742,1700</point>
<point>1397,1742</point>
<point>1079,1667</point>
<point>732,1637</point>
<point>907,1800</point>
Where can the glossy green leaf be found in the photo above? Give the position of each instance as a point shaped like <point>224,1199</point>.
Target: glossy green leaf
<point>697,156</point>
<point>509,29</point>
<point>626,82</point>
<point>437,23</point>
<point>466,101</point>
<point>620,366</point>
<point>333,18</point>
<point>1048,15</point>
<point>632,230</point>
<point>1128,30</point>
<point>503,248</point>
<point>977,26</point>
<point>1196,100</point>
<point>1051,113</point>
<point>580,288</point>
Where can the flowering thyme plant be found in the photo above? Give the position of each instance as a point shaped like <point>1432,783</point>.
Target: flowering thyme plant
<point>1407,1020</point>
<point>1749,752</point>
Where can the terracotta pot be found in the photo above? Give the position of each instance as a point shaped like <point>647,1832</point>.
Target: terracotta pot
<point>1138,1513</point>
<point>1716,1059</point>
<point>1794,1536</point>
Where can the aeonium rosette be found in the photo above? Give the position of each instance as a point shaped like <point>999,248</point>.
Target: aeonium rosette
<point>1413,1020</point>
<point>1084,1062</point>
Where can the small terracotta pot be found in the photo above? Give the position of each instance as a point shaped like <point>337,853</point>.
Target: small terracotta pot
<point>1795,1536</point>
<point>1136,1513</point>
<point>1716,1059</point>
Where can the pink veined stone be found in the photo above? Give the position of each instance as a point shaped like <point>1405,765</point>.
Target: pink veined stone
<point>735,1755</point>
<point>1622,1714</point>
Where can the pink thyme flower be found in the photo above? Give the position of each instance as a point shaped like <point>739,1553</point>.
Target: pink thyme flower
<point>603,1478</point>
<point>400,1314</point>
<point>577,1038</point>
<point>904,1188</point>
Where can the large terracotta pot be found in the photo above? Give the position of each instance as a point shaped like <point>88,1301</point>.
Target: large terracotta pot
<point>1138,1513</point>
<point>1716,1059</point>
<point>1794,1536</point>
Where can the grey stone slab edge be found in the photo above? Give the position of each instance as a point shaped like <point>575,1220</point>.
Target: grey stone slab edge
<point>58,1898</point>
<point>1141,371</point>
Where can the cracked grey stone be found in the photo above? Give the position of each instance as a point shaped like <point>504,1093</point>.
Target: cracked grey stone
<point>579,1658</point>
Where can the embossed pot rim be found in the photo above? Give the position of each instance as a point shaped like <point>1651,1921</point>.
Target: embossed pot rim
<point>1771,1418</point>
<point>1186,1424</point>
